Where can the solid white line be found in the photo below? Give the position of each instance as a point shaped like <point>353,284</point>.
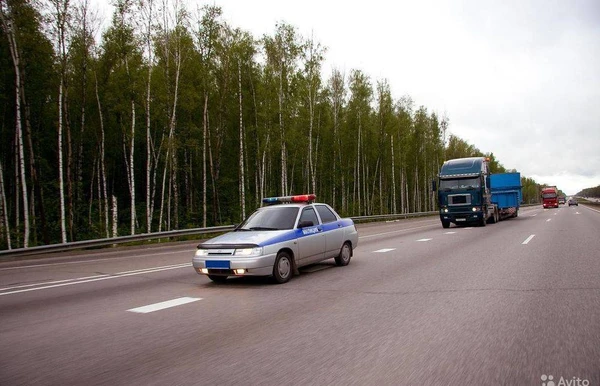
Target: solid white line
<point>595,210</point>
<point>384,250</point>
<point>386,233</point>
<point>90,279</point>
<point>424,239</point>
<point>163,305</point>
<point>527,240</point>
<point>93,261</point>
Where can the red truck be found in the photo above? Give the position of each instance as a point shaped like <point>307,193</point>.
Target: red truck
<point>550,197</point>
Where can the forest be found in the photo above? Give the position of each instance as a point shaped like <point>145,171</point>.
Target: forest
<point>169,118</point>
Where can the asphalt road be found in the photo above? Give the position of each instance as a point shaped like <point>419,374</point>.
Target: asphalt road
<point>512,303</point>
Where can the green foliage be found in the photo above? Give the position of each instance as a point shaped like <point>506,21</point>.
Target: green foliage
<point>590,192</point>
<point>364,151</point>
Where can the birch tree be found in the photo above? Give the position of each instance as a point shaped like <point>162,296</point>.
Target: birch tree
<point>282,51</point>
<point>8,27</point>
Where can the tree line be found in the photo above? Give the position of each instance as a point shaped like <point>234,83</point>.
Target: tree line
<point>173,119</point>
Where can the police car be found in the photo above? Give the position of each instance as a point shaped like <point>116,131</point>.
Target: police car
<point>287,233</point>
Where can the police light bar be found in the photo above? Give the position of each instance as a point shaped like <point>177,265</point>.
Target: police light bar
<point>288,199</point>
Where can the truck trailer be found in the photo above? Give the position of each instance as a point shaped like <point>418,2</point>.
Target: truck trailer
<point>469,194</point>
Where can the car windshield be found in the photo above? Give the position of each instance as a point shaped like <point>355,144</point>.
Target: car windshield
<point>462,183</point>
<point>271,218</point>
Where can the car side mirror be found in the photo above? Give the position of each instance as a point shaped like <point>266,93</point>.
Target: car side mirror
<point>305,224</point>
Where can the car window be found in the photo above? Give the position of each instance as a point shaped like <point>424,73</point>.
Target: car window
<point>309,214</point>
<point>274,218</point>
<point>326,214</point>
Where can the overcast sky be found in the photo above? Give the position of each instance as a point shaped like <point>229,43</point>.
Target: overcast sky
<point>517,78</point>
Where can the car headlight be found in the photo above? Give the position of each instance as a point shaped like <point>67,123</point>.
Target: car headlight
<point>474,209</point>
<point>247,252</point>
<point>202,252</point>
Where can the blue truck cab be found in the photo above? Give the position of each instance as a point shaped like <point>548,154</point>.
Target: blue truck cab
<point>468,193</point>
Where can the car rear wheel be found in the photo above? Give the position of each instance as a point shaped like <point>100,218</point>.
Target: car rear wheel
<point>217,278</point>
<point>345,255</point>
<point>282,269</point>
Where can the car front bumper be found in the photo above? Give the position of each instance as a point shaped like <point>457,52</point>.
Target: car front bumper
<point>226,266</point>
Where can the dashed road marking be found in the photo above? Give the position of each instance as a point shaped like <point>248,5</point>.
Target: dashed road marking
<point>384,250</point>
<point>88,279</point>
<point>549,220</point>
<point>527,240</point>
<point>424,239</point>
<point>449,233</point>
<point>163,305</point>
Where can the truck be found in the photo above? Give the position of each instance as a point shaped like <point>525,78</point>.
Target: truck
<point>469,194</point>
<point>550,197</point>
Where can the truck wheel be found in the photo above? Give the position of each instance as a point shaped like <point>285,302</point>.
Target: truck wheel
<point>516,213</point>
<point>445,224</point>
<point>482,222</point>
<point>282,269</point>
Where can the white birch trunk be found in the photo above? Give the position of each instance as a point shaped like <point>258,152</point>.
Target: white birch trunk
<point>15,55</point>
<point>3,208</point>
<point>393,175</point>
<point>61,183</point>
<point>204,160</point>
<point>242,182</point>
<point>282,137</point>
<point>102,175</point>
<point>115,217</point>
<point>132,167</point>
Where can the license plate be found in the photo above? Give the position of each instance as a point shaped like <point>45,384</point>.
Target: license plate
<point>461,219</point>
<point>218,264</point>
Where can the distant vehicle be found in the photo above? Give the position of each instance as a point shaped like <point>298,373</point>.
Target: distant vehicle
<point>469,193</point>
<point>573,201</point>
<point>550,197</point>
<point>277,239</point>
<point>562,199</point>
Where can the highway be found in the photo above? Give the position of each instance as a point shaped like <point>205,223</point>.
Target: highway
<point>511,303</point>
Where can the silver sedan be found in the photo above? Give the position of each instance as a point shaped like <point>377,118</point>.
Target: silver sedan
<point>277,239</point>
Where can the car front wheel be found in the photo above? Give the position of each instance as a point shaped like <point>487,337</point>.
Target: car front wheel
<point>282,269</point>
<point>345,255</point>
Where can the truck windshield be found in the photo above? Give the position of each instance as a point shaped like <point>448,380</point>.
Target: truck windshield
<point>549,195</point>
<point>462,183</point>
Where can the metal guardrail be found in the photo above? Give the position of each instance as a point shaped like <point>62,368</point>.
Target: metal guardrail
<point>163,235</point>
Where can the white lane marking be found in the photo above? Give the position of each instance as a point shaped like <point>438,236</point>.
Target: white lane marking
<point>90,279</point>
<point>577,213</point>
<point>449,233</point>
<point>95,260</point>
<point>555,213</point>
<point>469,228</point>
<point>398,231</point>
<point>384,250</point>
<point>527,240</point>
<point>164,305</point>
<point>549,220</point>
<point>424,239</point>
<point>595,210</point>
<point>533,215</point>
